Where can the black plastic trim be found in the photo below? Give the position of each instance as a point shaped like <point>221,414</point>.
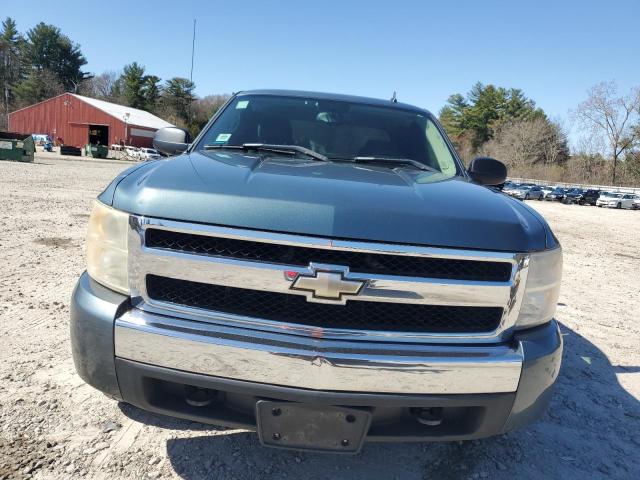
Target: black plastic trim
<point>481,415</point>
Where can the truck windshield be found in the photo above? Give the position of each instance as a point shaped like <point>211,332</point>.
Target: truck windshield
<point>339,130</point>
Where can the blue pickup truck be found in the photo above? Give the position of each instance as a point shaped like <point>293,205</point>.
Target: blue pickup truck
<point>324,270</point>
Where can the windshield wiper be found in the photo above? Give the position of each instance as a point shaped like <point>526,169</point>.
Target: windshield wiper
<point>402,161</point>
<point>290,149</point>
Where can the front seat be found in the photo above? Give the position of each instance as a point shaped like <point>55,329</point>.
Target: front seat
<point>413,143</point>
<point>275,130</point>
<point>377,148</point>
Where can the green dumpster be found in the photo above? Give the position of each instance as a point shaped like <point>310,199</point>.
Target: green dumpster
<point>96,151</point>
<point>16,146</point>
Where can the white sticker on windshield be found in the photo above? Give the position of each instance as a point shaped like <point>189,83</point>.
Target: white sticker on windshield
<point>223,137</point>
<point>242,104</point>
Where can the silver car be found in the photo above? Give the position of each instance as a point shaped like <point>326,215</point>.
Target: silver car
<point>529,193</point>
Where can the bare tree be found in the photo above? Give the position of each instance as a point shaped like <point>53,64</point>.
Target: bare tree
<point>524,143</point>
<point>101,86</point>
<point>608,115</point>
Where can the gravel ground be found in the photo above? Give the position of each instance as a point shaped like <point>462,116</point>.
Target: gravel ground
<point>52,425</point>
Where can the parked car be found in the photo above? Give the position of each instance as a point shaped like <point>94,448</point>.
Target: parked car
<point>146,154</point>
<point>511,188</point>
<point>616,200</point>
<point>132,152</point>
<point>259,279</point>
<point>556,194</point>
<point>546,190</point>
<point>528,192</point>
<point>507,185</point>
<point>590,197</point>
<point>573,195</point>
<point>636,203</point>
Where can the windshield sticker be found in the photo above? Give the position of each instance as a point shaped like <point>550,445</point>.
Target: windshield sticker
<point>223,137</point>
<point>241,105</point>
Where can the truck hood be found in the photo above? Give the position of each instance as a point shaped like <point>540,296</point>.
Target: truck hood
<point>339,200</point>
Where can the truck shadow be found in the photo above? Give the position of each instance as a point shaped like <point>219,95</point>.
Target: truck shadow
<point>591,430</point>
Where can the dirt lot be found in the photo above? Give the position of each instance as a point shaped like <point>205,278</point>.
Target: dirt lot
<point>52,425</point>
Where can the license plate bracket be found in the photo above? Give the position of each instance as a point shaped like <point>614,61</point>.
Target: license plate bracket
<point>318,428</point>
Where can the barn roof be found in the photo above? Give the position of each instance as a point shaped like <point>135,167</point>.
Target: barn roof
<point>139,118</point>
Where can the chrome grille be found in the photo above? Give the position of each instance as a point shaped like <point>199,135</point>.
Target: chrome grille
<point>296,309</point>
<point>359,262</point>
<point>243,278</point>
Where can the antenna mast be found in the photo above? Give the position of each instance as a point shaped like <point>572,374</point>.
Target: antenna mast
<point>193,49</point>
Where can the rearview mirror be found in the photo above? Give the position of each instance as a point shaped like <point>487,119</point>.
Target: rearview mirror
<point>487,171</point>
<point>171,140</point>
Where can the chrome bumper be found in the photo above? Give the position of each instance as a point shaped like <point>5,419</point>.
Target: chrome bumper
<point>316,363</point>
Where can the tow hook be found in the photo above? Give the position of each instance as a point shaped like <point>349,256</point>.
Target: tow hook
<point>432,416</point>
<point>198,397</point>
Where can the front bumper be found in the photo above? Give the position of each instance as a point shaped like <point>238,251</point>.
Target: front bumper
<point>148,360</point>
<point>315,363</point>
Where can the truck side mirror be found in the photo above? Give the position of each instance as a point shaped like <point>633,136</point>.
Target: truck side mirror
<point>171,140</point>
<point>487,171</point>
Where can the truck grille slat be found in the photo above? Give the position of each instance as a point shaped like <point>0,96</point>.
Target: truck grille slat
<point>359,262</point>
<point>363,315</point>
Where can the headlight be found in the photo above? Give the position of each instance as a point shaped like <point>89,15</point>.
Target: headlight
<point>542,289</point>
<point>107,247</point>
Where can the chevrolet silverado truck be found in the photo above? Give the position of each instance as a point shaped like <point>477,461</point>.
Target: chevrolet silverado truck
<point>321,269</point>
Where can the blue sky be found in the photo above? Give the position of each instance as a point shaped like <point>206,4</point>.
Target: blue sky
<point>553,50</point>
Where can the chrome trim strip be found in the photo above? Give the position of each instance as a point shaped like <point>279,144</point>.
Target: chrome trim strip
<point>271,277</point>
<point>318,242</point>
<point>316,364</point>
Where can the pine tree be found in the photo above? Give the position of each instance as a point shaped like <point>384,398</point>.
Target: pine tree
<point>151,92</point>
<point>47,49</point>
<point>133,83</point>
<point>11,44</point>
<point>485,109</point>
<point>177,97</point>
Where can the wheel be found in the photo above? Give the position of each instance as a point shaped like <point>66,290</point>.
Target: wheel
<point>619,205</point>
<point>526,197</point>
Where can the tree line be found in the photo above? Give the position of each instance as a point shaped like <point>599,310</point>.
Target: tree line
<point>44,62</point>
<point>505,124</point>
<point>489,120</point>
<point>172,99</point>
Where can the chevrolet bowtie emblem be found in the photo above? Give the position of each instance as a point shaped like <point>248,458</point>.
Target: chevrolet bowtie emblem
<point>327,286</point>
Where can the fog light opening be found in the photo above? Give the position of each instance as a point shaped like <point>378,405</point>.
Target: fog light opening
<point>199,397</point>
<point>431,417</point>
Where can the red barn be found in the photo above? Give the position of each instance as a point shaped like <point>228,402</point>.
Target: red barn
<point>76,120</point>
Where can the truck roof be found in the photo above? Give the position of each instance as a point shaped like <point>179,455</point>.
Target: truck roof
<point>337,97</point>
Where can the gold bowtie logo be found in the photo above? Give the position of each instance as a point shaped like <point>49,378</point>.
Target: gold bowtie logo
<point>327,286</point>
